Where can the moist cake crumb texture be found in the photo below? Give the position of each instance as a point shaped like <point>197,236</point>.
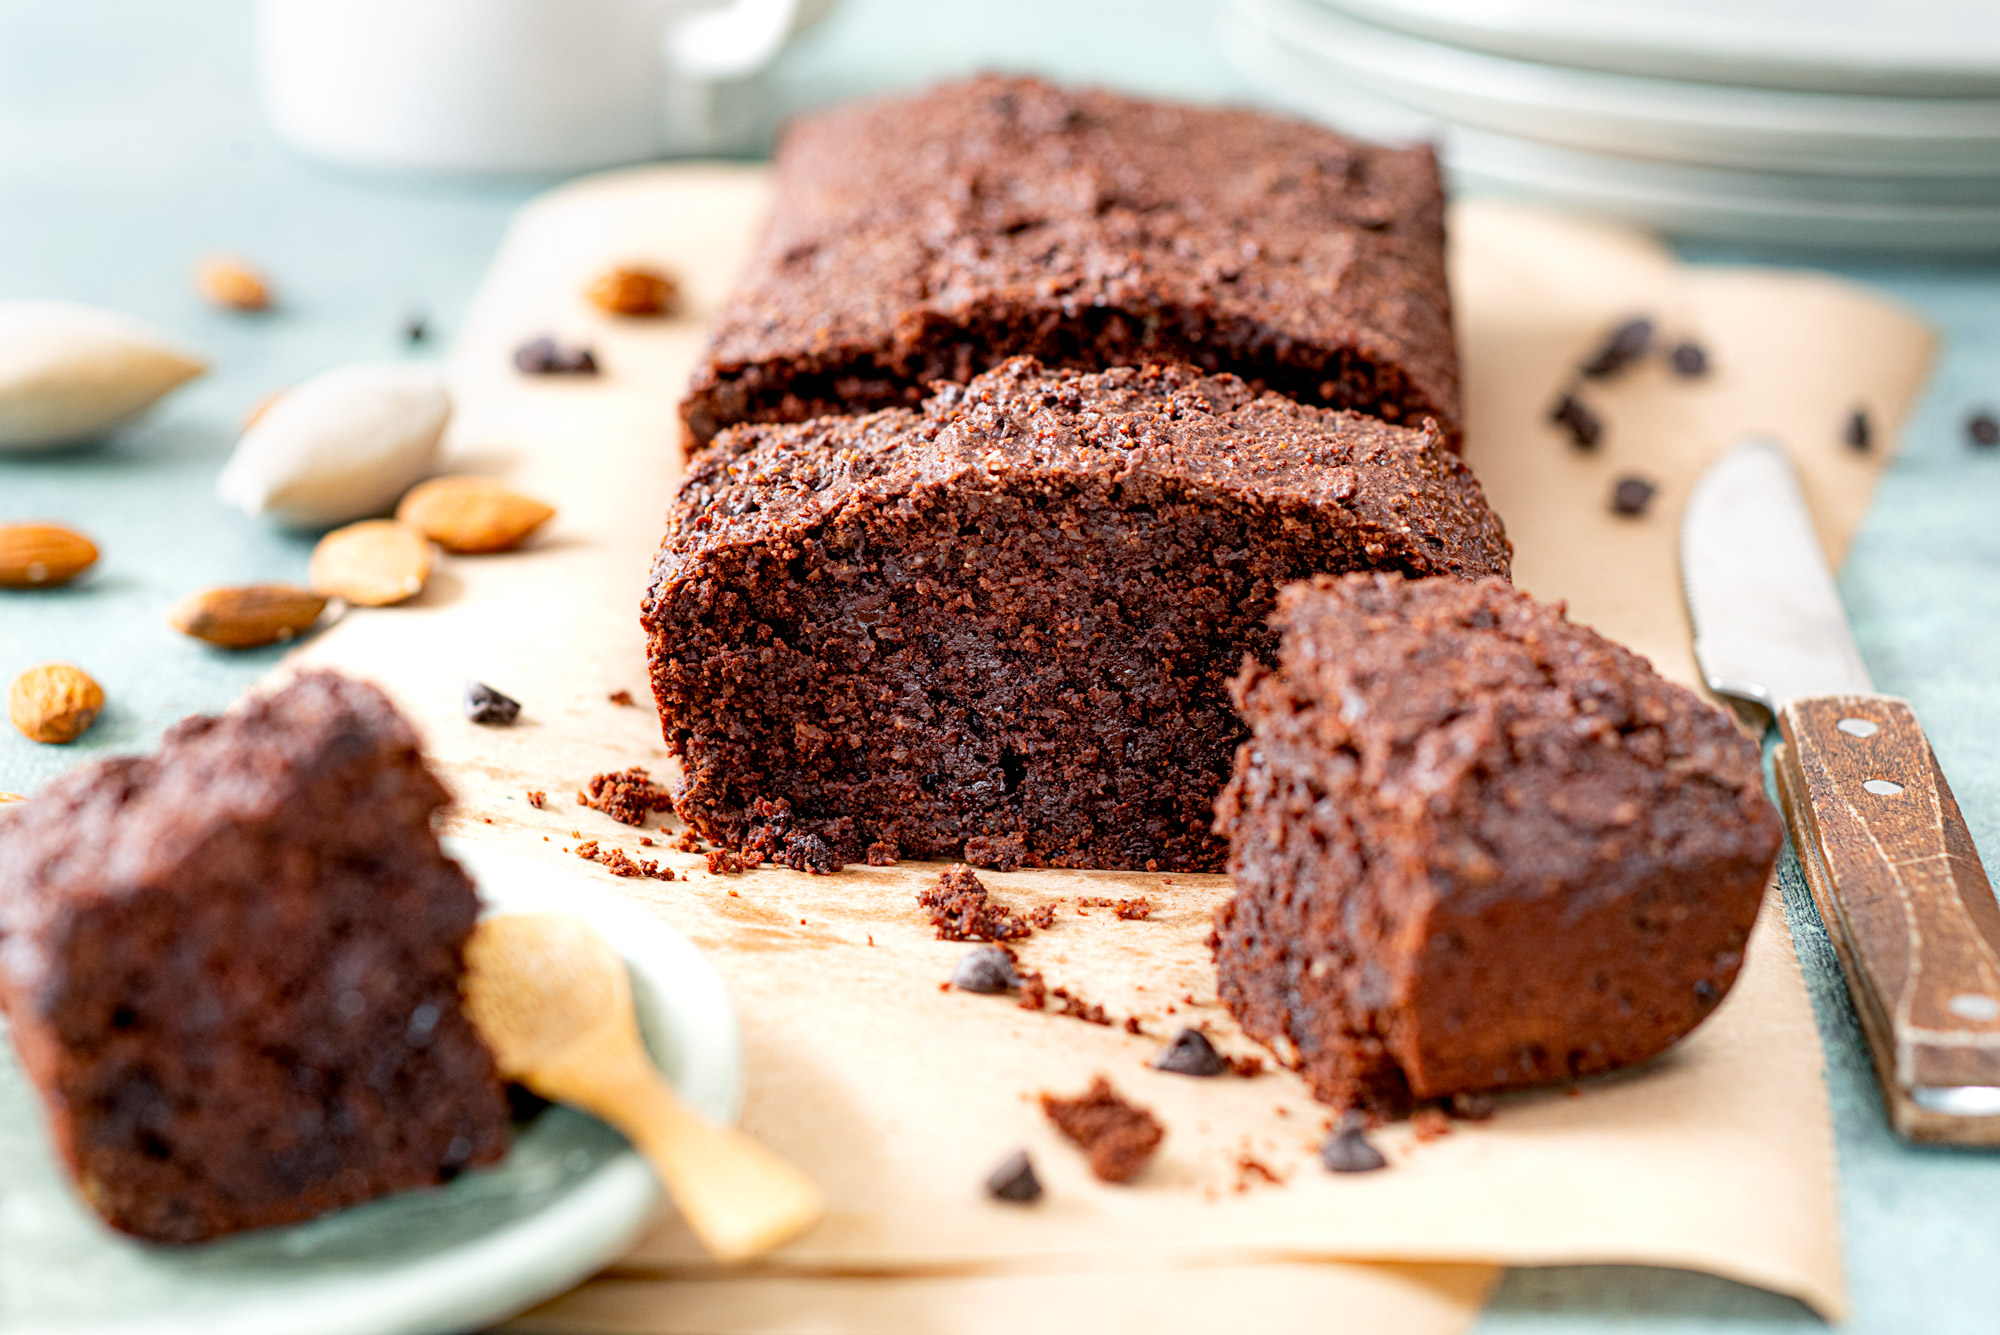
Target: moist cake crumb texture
<point>1001,630</point>
<point>1476,846</point>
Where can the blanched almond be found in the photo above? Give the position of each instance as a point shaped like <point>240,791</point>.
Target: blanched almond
<point>37,555</point>
<point>246,617</point>
<point>226,281</point>
<point>54,703</point>
<point>5,798</point>
<point>371,564</point>
<point>634,292</point>
<point>472,515</point>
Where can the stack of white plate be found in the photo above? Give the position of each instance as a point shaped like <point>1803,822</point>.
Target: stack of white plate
<point>1848,123</point>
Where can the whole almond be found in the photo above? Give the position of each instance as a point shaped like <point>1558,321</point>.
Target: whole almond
<point>225,281</point>
<point>247,616</point>
<point>371,564</point>
<point>36,555</point>
<point>471,515</point>
<point>54,703</point>
<point>634,291</point>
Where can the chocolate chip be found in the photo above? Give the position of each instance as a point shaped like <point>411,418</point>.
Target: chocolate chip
<point>483,704</point>
<point>1632,495</point>
<point>1628,343</point>
<point>1014,1180</point>
<point>1584,426</point>
<point>416,328</point>
<point>1983,429</point>
<point>536,357</point>
<point>1347,1149</point>
<point>1859,435</point>
<point>1190,1053</point>
<point>987,971</point>
<point>1688,359</point>
<point>544,356</point>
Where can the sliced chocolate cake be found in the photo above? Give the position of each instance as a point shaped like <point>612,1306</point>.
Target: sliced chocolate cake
<point>232,970</point>
<point>1476,846</point>
<point>930,237</point>
<point>1002,628</point>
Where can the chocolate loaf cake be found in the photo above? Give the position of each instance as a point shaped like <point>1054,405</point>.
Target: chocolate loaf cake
<point>1476,846</point>
<point>232,970</point>
<point>1002,628</point>
<point>928,238</point>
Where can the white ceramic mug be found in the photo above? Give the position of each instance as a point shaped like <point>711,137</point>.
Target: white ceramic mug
<point>518,85</point>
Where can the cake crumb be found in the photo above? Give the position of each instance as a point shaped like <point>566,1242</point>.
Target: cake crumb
<point>1008,852</point>
<point>1118,1137</point>
<point>1430,1124</point>
<point>1249,1167</point>
<point>537,798</point>
<point>620,863</point>
<point>962,911</point>
<point>1136,909</point>
<point>728,862</point>
<point>627,796</point>
<point>622,697</point>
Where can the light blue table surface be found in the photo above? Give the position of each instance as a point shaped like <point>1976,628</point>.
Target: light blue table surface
<point>131,144</point>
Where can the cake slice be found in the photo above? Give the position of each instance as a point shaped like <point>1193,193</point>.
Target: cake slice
<point>232,967</point>
<point>1002,629</point>
<point>1476,846</point>
<point>930,237</point>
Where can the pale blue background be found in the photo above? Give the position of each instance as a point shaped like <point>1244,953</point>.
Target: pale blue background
<point>130,145</point>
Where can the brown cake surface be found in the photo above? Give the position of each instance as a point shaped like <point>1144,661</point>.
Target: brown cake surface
<point>1476,846</point>
<point>1002,628</point>
<point>929,237</point>
<point>231,968</point>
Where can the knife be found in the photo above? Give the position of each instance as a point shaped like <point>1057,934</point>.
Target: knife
<point>1885,850</point>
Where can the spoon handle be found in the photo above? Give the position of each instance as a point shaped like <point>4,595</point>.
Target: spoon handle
<point>740,1199</point>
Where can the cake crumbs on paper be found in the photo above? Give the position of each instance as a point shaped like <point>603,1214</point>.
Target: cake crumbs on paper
<point>1249,1167</point>
<point>537,798</point>
<point>622,697</point>
<point>961,910</point>
<point>620,863</point>
<point>1430,1124</point>
<point>627,796</point>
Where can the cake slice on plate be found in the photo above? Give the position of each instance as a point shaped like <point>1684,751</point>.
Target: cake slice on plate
<point>231,968</point>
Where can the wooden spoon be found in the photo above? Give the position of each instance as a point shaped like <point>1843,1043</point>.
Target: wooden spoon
<point>554,1003</point>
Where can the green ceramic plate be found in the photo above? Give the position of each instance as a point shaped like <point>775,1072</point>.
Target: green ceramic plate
<point>569,1197</point>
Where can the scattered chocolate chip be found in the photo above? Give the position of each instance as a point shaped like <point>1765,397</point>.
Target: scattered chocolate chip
<point>1983,429</point>
<point>1859,434</point>
<point>987,971</point>
<point>1347,1149</point>
<point>483,704</point>
<point>1472,1107</point>
<point>1014,1180</point>
<point>1627,343</point>
<point>544,356</point>
<point>1688,359</point>
<point>1190,1053</point>
<point>1585,427</point>
<point>416,328</point>
<point>1632,495</point>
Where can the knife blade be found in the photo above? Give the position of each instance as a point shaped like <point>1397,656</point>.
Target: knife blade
<point>1891,864</point>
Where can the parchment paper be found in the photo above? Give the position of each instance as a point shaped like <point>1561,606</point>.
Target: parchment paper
<point>896,1096</point>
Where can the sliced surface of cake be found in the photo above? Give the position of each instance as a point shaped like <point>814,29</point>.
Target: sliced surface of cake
<point>1002,628</point>
<point>927,238</point>
<point>1476,846</point>
<point>231,969</point>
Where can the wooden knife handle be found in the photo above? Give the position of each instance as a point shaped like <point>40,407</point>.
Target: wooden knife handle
<point>1904,897</point>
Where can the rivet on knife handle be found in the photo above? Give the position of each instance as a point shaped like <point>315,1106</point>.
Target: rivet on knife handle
<point>1894,871</point>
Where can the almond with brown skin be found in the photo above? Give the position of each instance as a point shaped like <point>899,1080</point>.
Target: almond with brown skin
<point>37,555</point>
<point>226,281</point>
<point>248,616</point>
<point>55,703</point>
<point>634,292</point>
<point>371,564</point>
<point>472,515</point>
